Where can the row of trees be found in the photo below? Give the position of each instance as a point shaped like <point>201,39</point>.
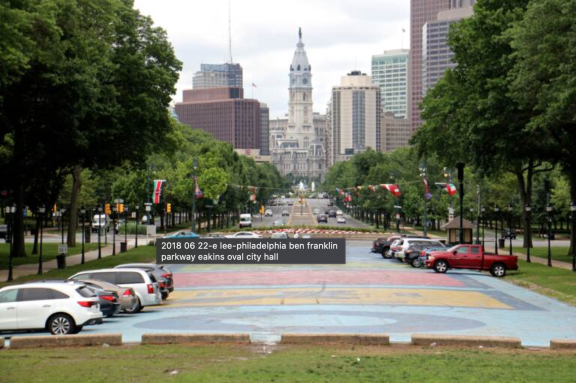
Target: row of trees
<point>509,106</point>
<point>405,168</point>
<point>85,87</point>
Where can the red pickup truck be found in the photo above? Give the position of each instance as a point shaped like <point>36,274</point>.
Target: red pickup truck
<point>471,257</point>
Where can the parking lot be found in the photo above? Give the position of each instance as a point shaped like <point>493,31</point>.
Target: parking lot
<point>367,295</point>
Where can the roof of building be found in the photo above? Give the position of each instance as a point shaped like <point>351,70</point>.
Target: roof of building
<point>454,223</point>
<point>300,60</point>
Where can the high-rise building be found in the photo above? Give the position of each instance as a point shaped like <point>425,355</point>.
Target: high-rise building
<point>421,12</point>
<point>224,113</point>
<point>264,130</point>
<point>355,116</point>
<point>396,132</point>
<point>390,73</point>
<point>217,76</point>
<point>296,149</point>
<point>436,54</point>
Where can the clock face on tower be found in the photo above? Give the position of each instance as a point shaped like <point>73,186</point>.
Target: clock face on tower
<point>304,81</point>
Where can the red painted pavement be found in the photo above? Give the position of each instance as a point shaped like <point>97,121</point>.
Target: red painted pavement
<point>313,277</point>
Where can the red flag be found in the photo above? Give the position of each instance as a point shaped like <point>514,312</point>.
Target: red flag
<point>392,188</point>
<point>197,192</point>
<point>371,187</point>
<point>348,198</point>
<point>451,189</point>
<point>158,190</point>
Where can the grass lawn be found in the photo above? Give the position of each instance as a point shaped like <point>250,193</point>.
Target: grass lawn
<point>558,253</point>
<point>554,282</point>
<point>49,252</point>
<point>141,254</point>
<point>225,363</point>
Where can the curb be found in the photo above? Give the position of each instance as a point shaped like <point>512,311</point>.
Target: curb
<point>562,344</point>
<point>349,339</point>
<point>19,342</point>
<point>195,338</point>
<point>465,341</point>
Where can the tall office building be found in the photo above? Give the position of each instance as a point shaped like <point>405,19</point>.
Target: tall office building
<point>217,76</point>
<point>436,54</point>
<point>421,12</point>
<point>264,130</point>
<point>296,149</point>
<point>355,116</point>
<point>396,132</point>
<point>390,73</point>
<point>224,113</point>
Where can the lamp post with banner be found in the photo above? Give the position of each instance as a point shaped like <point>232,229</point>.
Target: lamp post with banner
<point>528,209</point>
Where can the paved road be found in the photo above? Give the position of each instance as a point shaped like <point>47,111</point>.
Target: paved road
<point>367,295</point>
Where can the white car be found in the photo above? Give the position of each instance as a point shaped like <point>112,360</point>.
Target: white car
<point>339,212</point>
<point>279,235</point>
<point>244,234</point>
<point>316,211</point>
<point>60,307</point>
<point>341,219</point>
<point>142,282</point>
<point>268,213</point>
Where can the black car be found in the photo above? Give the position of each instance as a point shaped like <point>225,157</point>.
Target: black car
<point>332,214</point>
<point>322,218</point>
<point>507,233</point>
<point>109,303</point>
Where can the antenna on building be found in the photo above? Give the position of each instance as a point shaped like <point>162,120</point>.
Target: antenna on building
<point>230,33</point>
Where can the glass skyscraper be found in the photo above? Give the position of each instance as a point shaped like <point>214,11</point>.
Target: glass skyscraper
<point>390,73</point>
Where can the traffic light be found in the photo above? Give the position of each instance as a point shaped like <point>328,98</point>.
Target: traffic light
<point>55,208</point>
<point>168,207</point>
<point>107,209</point>
<point>120,208</point>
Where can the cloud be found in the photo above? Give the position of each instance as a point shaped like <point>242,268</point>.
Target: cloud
<point>340,35</point>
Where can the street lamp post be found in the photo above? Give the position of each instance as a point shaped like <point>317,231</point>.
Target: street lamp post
<point>62,211</point>
<point>483,224</point>
<point>10,210</point>
<point>573,216</point>
<point>114,212</point>
<point>83,212</point>
<point>41,211</point>
<point>460,167</point>
<point>99,232</point>
<point>126,226</point>
<point>496,210</point>
<point>423,170</point>
<point>478,216</point>
<point>510,209</point>
<point>549,217</point>
<point>528,209</point>
<point>195,166</point>
<point>136,235</point>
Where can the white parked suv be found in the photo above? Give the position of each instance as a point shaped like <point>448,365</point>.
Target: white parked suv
<point>60,307</point>
<point>407,242</point>
<point>142,282</point>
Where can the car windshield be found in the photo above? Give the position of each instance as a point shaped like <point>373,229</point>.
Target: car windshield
<point>245,219</point>
<point>86,292</point>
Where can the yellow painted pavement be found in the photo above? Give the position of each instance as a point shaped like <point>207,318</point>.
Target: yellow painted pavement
<point>333,296</point>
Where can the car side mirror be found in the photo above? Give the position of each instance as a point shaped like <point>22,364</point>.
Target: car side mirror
<point>455,252</point>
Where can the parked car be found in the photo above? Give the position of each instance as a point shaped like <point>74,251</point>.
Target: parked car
<point>268,213</point>
<point>279,235</point>
<point>415,249</point>
<point>306,236</point>
<point>381,245</point>
<point>109,302</point>
<point>126,296</point>
<point>322,218</point>
<point>183,234</point>
<point>163,275</point>
<point>212,236</point>
<point>426,252</point>
<point>471,257</point>
<point>407,242</point>
<point>60,307</point>
<point>285,213</point>
<point>244,234</point>
<point>507,233</point>
<point>341,219</point>
<point>143,283</point>
<point>393,247</point>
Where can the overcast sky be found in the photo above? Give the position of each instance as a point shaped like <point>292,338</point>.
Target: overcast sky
<point>340,35</point>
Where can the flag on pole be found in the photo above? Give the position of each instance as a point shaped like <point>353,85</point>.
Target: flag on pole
<point>197,192</point>
<point>158,190</point>
<point>451,189</point>
<point>392,188</point>
<point>427,193</point>
<point>348,198</point>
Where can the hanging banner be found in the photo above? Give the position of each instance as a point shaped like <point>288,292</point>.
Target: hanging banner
<point>427,193</point>
<point>197,192</point>
<point>158,190</point>
<point>451,189</point>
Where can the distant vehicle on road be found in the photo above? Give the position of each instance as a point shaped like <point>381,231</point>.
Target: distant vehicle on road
<point>339,212</point>
<point>244,234</point>
<point>279,235</point>
<point>268,213</point>
<point>341,219</point>
<point>285,213</point>
<point>471,257</point>
<point>245,220</point>
<point>279,223</point>
<point>100,221</point>
<point>332,214</point>
<point>290,203</point>
<point>183,234</point>
<point>507,233</point>
<point>316,211</point>
<point>322,218</point>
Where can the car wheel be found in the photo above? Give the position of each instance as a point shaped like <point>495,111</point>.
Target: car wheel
<point>416,263</point>
<point>78,329</point>
<point>136,308</point>
<point>164,296</point>
<point>61,324</point>
<point>498,270</point>
<point>387,255</point>
<point>441,267</point>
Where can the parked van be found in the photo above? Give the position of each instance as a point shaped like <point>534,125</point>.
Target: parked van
<point>245,220</point>
<point>100,221</point>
